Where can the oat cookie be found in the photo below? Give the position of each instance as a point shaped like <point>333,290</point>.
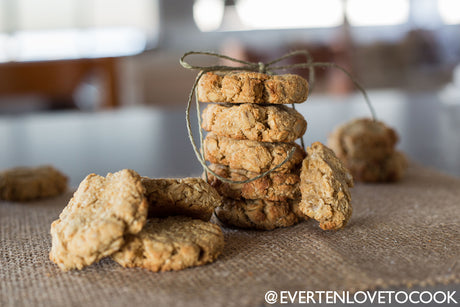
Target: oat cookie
<point>363,138</point>
<point>254,122</point>
<point>259,214</point>
<point>253,156</point>
<point>252,87</point>
<point>390,169</point>
<point>100,214</point>
<point>325,184</point>
<point>173,243</point>
<point>31,183</point>
<point>274,186</point>
<point>187,196</point>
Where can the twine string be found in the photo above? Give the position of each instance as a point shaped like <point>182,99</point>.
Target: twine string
<point>200,153</point>
<point>257,67</point>
<point>311,79</point>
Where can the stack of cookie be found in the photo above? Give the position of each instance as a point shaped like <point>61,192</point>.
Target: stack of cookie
<point>367,148</point>
<point>156,224</point>
<point>250,132</point>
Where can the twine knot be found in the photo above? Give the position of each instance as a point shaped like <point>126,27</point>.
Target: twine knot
<point>262,68</point>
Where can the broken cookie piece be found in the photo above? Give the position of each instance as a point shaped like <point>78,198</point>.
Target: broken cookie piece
<point>173,243</point>
<point>98,217</point>
<point>325,184</point>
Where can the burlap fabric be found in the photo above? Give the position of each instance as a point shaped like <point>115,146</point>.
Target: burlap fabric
<point>400,234</point>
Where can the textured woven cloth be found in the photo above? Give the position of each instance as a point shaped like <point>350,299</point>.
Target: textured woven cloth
<point>400,235</point>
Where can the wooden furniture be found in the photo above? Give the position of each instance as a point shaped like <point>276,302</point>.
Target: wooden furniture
<point>57,80</point>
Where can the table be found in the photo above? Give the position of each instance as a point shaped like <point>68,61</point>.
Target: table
<point>57,80</point>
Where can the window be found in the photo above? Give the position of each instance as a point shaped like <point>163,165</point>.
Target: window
<point>61,29</point>
<point>208,14</point>
<point>377,12</point>
<point>289,14</point>
<point>449,11</point>
<point>212,15</point>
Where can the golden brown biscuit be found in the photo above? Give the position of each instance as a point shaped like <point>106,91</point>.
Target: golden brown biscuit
<point>254,122</point>
<point>325,186</point>
<point>363,138</point>
<point>390,169</point>
<point>252,87</point>
<point>256,157</point>
<point>98,217</point>
<point>274,186</point>
<point>366,147</point>
<point>173,243</point>
<point>186,196</point>
<point>259,214</point>
<point>31,183</point>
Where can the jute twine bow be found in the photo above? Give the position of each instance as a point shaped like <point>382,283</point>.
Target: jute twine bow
<point>266,68</point>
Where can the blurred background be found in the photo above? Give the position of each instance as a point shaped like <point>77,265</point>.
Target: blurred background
<point>94,54</point>
<point>95,70</point>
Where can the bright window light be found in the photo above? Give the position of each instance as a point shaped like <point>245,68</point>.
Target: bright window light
<point>45,14</point>
<point>449,11</point>
<point>377,12</point>
<point>52,44</point>
<point>3,47</point>
<point>142,14</point>
<point>68,29</point>
<point>117,41</point>
<point>289,14</point>
<point>74,43</point>
<point>208,14</point>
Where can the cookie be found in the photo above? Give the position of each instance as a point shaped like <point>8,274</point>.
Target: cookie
<point>254,122</point>
<point>363,139</point>
<point>259,214</point>
<point>390,169</point>
<point>366,147</point>
<point>253,156</point>
<point>252,87</point>
<point>187,196</point>
<point>31,183</point>
<point>173,243</point>
<point>98,217</point>
<point>274,186</point>
<point>324,185</point>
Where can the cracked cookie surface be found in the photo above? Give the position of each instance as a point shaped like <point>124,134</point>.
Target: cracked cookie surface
<point>253,156</point>
<point>185,196</point>
<point>252,87</point>
<point>325,184</point>
<point>31,183</point>
<point>274,186</point>
<point>259,214</point>
<point>97,218</point>
<point>173,243</point>
<point>254,122</point>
